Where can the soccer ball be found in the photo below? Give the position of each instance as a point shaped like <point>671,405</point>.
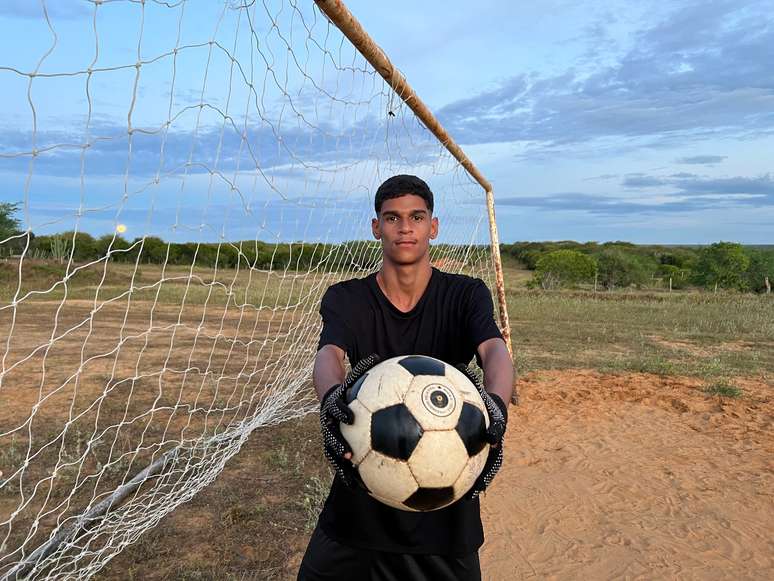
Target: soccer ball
<point>418,437</point>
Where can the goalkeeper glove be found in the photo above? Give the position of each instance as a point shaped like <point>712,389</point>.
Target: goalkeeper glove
<point>498,420</point>
<point>333,411</point>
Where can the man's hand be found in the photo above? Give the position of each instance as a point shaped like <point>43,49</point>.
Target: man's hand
<point>334,411</point>
<point>498,421</point>
<point>498,417</point>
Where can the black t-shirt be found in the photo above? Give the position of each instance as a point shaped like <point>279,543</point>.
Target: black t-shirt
<point>452,318</point>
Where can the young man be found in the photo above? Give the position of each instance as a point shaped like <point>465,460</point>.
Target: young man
<point>406,308</point>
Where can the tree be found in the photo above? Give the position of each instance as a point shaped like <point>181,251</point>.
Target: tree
<point>722,265</point>
<point>761,266</point>
<point>9,226</point>
<point>154,250</point>
<point>113,244</point>
<point>61,246</point>
<point>618,268</point>
<point>680,257</point>
<point>680,276</point>
<point>562,267</point>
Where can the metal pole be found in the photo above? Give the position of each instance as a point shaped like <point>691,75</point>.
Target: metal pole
<point>345,21</point>
<point>340,15</point>
<point>499,279</point>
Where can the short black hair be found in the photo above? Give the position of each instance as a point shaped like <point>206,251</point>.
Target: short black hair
<point>401,185</point>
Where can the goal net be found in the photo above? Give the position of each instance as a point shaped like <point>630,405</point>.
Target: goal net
<point>182,180</point>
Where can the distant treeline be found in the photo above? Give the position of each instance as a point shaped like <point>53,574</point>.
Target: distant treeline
<point>726,265</point>
<point>82,247</point>
<point>609,265</point>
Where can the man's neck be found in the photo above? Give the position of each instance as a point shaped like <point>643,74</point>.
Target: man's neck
<point>404,285</point>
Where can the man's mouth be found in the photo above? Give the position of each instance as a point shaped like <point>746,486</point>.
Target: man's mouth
<point>406,243</point>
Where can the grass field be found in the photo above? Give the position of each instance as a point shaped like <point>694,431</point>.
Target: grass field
<point>253,521</point>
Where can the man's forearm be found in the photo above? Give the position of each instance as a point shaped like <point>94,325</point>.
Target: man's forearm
<point>498,373</point>
<point>328,369</point>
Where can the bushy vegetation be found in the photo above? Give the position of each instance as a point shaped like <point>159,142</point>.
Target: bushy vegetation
<point>563,267</point>
<point>81,247</point>
<point>723,265</point>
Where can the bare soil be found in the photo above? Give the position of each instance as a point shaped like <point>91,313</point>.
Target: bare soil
<point>633,476</point>
<point>607,476</point>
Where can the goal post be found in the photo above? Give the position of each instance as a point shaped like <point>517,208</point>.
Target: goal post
<point>340,15</point>
<point>190,177</point>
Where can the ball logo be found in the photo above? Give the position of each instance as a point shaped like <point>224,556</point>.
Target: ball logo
<point>438,399</point>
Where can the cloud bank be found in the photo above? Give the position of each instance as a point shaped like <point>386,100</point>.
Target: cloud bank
<point>705,69</point>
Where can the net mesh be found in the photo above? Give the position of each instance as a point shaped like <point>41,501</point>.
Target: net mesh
<point>192,176</point>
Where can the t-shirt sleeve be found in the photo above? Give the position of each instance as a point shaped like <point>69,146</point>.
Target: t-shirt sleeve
<point>481,321</point>
<point>334,330</point>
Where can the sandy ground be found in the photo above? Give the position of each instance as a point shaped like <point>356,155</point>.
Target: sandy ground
<point>628,476</point>
<point>633,477</point>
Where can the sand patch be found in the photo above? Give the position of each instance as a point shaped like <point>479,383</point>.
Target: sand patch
<point>633,476</point>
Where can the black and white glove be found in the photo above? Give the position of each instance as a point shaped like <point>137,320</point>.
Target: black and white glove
<point>334,411</point>
<point>497,411</point>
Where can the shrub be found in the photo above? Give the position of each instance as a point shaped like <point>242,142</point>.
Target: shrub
<point>563,267</point>
<point>618,268</point>
<point>722,265</point>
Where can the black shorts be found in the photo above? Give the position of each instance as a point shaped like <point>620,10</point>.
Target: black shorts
<point>328,560</point>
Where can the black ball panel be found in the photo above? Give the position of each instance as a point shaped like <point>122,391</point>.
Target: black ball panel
<point>430,498</point>
<point>351,394</point>
<point>421,365</point>
<point>395,432</point>
<point>472,428</point>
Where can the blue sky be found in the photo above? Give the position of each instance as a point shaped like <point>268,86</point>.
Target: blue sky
<point>649,121</point>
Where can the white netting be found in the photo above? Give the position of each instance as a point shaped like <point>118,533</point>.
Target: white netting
<point>239,146</point>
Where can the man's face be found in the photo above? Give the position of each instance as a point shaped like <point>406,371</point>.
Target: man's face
<point>405,227</point>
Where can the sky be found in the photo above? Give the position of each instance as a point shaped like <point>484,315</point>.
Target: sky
<point>650,122</point>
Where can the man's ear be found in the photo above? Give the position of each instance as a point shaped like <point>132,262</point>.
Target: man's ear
<point>375,228</point>
<point>433,228</point>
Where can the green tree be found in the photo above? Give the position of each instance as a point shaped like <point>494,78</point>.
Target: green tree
<point>723,265</point>
<point>761,266</point>
<point>563,267</point>
<point>680,276</point>
<point>154,250</point>
<point>618,268</point>
<point>9,226</point>
<point>114,244</point>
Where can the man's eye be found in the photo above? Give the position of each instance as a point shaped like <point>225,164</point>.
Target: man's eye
<point>418,217</point>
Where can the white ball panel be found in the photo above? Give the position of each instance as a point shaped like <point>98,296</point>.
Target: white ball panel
<point>387,478</point>
<point>428,416</point>
<point>358,434</point>
<point>460,381</point>
<point>438,459</point>
<point>385,385</point>
<point>469,392</point>
<point>470,472</point>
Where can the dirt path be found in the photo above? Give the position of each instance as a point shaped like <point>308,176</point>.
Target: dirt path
<point>633,477</point>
